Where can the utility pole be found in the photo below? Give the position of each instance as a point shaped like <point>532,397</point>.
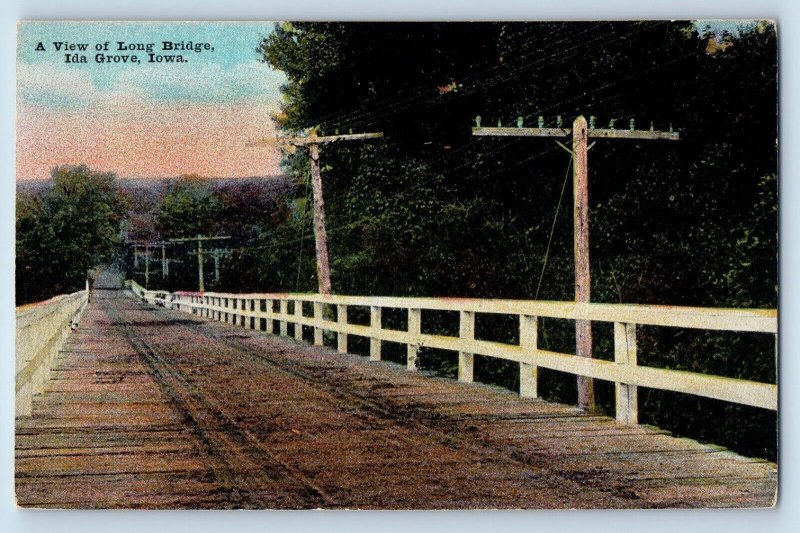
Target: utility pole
<point>312,142</point>
<point>147,265</point>
<point>200,238</point>
<point>216,266</point>
<point>216,253</point>
<point>136,254</point>
<point>200,283</point>
<point>580,199</point>
<point>164,264</point>
<point>581,131</point>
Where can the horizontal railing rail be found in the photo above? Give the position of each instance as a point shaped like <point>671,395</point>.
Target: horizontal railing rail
<point>41,329</point>
<point>262,311</point>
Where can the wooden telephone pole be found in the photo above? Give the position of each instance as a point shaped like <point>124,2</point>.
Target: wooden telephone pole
<point>200,239</point>
<point>581,131</point>
<point>216,253</point>
<point>147,265</point>
<point>312,142</point>
<point>164,259</point>
<point>146,245</point>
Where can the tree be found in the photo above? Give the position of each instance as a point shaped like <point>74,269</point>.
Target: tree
<point>71,230</point>
<point>431,210</point>
<point>189,208</point>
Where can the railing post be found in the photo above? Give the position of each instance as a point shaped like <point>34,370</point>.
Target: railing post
<point>374,340</point>
<point>528,340</point>
<point>318,318</point>
<point>414,330</point>
<point>466,332</point>
<point>298,326</point>
<point>341,338</point>
<point>270,310</point>
<point>284,311</point>
<point>625,354</point>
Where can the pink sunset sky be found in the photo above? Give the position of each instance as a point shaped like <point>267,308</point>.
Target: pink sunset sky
<point>146,120</point>
<point>147,140</point>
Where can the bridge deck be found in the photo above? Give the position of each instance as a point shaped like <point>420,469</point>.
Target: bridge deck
<point>159,409</point>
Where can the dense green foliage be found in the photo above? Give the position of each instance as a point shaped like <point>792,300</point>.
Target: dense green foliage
<point>431,210</point>
<point>434,211</point>
<point>189,208</point>
<point>70,229</point>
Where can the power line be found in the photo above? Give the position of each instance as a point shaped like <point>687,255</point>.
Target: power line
<point>347,117</point>
<point>553,227</point>
<point>427,99</point>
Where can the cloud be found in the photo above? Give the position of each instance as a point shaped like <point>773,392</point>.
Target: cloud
<point>54,85</point>
<point>61,86</point>
<point>206,83</point>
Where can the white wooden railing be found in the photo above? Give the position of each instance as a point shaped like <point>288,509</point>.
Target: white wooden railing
<point>41,330</point>
<point>261,311</point>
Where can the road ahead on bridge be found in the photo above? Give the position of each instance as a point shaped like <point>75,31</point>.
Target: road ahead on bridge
<point>155,408</point>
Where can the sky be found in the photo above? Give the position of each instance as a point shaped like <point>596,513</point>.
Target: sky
<point>145,120</point>
<point>148,120</point>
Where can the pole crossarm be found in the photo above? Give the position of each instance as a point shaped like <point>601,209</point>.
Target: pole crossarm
<point>311,143</point>
<point>212,252</point>
<point>581,132</point>
<point>199,238</point>
<point>599,133</point>
<point>313,139</point>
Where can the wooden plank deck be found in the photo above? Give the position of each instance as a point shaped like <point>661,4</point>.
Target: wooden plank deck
<point>159,409</point>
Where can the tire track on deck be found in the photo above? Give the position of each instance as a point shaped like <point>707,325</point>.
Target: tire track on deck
<point>423,423</point>
<point>228,444</point>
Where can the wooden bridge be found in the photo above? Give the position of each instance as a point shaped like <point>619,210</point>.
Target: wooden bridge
<point>189,400</point>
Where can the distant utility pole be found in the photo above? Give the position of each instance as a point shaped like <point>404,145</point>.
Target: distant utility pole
<point>312,142</point>
<point>136,254</point>
<point>200,239</point>
<point>216,253</point>
<point>581,131</point>
<point>147,265</point>
<point>164,261</point>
